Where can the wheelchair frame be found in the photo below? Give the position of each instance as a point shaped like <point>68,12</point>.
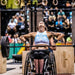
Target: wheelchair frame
<point>29,67</point>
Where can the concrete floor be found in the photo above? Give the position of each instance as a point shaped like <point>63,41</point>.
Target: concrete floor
<point>13,68</point>
<point>16,68</point>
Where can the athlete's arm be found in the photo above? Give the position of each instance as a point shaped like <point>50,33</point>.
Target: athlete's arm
<point>32,34</point>
<point>52,43</point>
<point>53,34</point>
<point>58,34</point>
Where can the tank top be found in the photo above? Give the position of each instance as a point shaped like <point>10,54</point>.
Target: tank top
<point>41,38</point>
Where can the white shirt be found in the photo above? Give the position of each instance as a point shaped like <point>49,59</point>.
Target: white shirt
<point>11,25</point>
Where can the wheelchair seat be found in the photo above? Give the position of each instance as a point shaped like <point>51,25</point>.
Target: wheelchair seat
<point>39,54</point>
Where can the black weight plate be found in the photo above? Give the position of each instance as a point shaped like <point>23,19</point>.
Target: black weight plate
<point>4,48</point>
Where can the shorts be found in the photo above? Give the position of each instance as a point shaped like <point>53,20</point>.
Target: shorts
<point>39,54</point>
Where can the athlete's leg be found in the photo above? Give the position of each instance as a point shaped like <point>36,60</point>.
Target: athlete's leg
<point>36,65</point>
<point>41,64</point>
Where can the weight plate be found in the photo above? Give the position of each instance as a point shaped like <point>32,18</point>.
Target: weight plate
<point>4,48</point>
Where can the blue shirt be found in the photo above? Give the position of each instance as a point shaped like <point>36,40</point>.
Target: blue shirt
<point>59,23</point>
<point>61,13</point>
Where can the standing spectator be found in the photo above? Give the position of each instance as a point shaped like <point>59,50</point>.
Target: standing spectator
<point>9,37</point>
<point>61,15</point>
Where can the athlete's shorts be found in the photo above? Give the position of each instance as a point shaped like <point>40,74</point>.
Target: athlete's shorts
<point>39,54</point>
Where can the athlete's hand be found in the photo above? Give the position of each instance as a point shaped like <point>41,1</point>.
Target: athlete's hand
<point>22,38</point>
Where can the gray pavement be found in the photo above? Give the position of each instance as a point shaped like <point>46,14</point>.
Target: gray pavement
<point>16,68</point>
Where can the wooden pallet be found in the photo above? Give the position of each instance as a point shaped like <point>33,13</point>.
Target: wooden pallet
<point>64,60</point>
<point>2,64</point>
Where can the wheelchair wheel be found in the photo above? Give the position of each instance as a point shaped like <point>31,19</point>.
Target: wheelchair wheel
<point>53,70</point>
<point>27,67</point>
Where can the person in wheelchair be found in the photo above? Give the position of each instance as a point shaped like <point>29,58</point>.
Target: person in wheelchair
<point>42,38</point>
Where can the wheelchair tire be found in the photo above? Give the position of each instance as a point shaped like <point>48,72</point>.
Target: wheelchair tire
<point>53,65</point>
<point>26,66</point>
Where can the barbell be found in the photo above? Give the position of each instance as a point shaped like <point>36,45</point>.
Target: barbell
<point>5,46</point>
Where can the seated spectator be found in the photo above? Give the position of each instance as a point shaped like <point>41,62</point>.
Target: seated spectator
<point>66,25</point>
<point>59,25</point>
<point>51,24</point>
<point>68,4</point>
<point>61,15</point>
<point>20,20</point>
<point>16,39</point>
<point>11,26</point>
<point>71,21</point>
<point>21,13</point>
<point>69,39</point>
<point>52,16</point>
<point>73,3</point>
<point>70,14</point>
<point>46,12</point>
<point>14,19</point>
<point>46,23</point>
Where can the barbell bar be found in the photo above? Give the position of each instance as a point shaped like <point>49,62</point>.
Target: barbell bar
<point>43,46</point>
<point>5,46</point>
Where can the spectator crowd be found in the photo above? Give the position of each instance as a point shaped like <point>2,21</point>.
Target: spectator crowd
<point>55,18</point>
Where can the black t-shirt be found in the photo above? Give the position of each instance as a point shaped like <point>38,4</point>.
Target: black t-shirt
<point>50,22</point>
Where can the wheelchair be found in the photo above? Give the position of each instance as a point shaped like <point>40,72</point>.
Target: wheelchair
<point>49,67</point>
